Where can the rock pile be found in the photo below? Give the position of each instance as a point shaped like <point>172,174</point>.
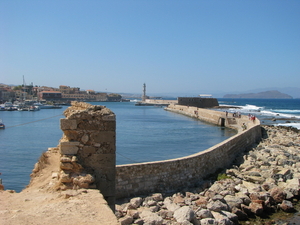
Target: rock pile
<point>262,181</point>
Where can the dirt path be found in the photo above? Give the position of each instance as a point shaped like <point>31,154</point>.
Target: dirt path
<point>40,204</point>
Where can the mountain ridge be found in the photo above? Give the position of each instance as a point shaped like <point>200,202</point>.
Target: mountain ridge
<point>274,94</point>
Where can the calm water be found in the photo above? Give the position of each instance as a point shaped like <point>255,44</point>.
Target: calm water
<point>143,134</point>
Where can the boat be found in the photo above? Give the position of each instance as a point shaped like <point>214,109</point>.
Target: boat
<point>47,106</point>
<point>34,108</point>
<point>56,107</point>
<point>23,108</point>
<point>42,106</point>
<point>2,126</point>
<point>8,106</point>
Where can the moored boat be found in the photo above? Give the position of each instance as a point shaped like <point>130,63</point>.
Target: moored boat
<point>46,106</point>
<point>2,126</point>
<point>34,108</point>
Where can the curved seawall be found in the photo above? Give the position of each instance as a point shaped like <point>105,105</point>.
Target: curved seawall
<point>176,174</point>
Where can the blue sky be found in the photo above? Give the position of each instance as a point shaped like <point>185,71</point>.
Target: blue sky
<point>173,46</point>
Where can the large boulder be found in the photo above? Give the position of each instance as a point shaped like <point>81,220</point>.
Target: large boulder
<point>170,205</point>
<point>233,201</point>
<point>222,219</point>
<point>292,187</point>
<point>151,218</point>
<point>257,207</point>
<point>287,206</point>
<point>183,214</point>
<point>217,206</point>
<point>203,213</point>
<point>240,214</point>
<point>277,194</point>
<point>126,220</point>
<point>136,202</point>
<point>208,221</point>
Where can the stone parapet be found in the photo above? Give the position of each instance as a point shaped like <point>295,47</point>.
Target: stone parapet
<point>198,102</point>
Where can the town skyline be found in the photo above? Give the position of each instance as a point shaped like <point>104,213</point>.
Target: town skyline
<point>292,91</point>
<point>31,93</point>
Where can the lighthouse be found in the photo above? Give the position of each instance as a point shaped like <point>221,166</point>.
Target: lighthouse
<point>144,93</point>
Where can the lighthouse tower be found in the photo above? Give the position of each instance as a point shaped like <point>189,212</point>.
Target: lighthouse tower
<point>144,93</point>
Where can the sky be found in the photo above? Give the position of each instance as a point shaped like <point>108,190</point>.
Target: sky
<point>174,46</point>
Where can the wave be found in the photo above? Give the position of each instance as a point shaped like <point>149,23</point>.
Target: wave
<point>287,111</point>
<point>262,112</point>
<point>280,115</point>
<point>252,108</point>
<point>270,112</point>
<point>296,125</point>
<point>222,102</point>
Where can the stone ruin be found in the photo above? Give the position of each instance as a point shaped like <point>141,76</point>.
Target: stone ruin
<point>88,149</point>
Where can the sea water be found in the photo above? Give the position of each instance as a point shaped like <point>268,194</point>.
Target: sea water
<point>283,112</point>
<point>144,133</point>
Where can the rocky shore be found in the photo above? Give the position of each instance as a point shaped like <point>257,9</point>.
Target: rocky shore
<point>263,180</point>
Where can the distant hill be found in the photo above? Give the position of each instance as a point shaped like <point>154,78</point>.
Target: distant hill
<point>265,95</point>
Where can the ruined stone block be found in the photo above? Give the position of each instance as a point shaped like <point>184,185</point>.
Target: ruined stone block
<point>107,148</point>
<point>86,125</point>
<point>103,136</point>
<point>68,148</point>
<point>65,159</point>
<point>65,178</point>
<point>66,166</point>
<point>74,159</point>
<point>109,117</point>
<point>88,150</point>
<point>67,124</point>
<point>90,138</point>
<point>71,135</point>
<point>103,161</point>
<point>85,138</point>
<point>107,189</point>
<point>110,125</point>
<point>105,183</point>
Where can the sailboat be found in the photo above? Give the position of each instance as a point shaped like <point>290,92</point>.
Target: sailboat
<point>22,105</point>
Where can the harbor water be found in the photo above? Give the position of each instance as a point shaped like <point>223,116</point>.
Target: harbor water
<point>144,133</point>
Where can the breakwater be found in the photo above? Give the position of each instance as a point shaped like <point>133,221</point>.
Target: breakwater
<point>176,174</point>
<point>260,183</point>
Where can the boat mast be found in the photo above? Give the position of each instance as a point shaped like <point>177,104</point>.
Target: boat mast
<point>24,89</point>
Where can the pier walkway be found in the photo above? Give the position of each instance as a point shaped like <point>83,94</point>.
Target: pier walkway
<point>156,102</point>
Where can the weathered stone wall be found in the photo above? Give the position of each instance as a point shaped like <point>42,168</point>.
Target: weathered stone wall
<point>198,102</point>
<point>176,174</point>
<point>88,148</point>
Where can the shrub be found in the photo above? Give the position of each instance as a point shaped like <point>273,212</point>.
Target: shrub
<point>222,176</point>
